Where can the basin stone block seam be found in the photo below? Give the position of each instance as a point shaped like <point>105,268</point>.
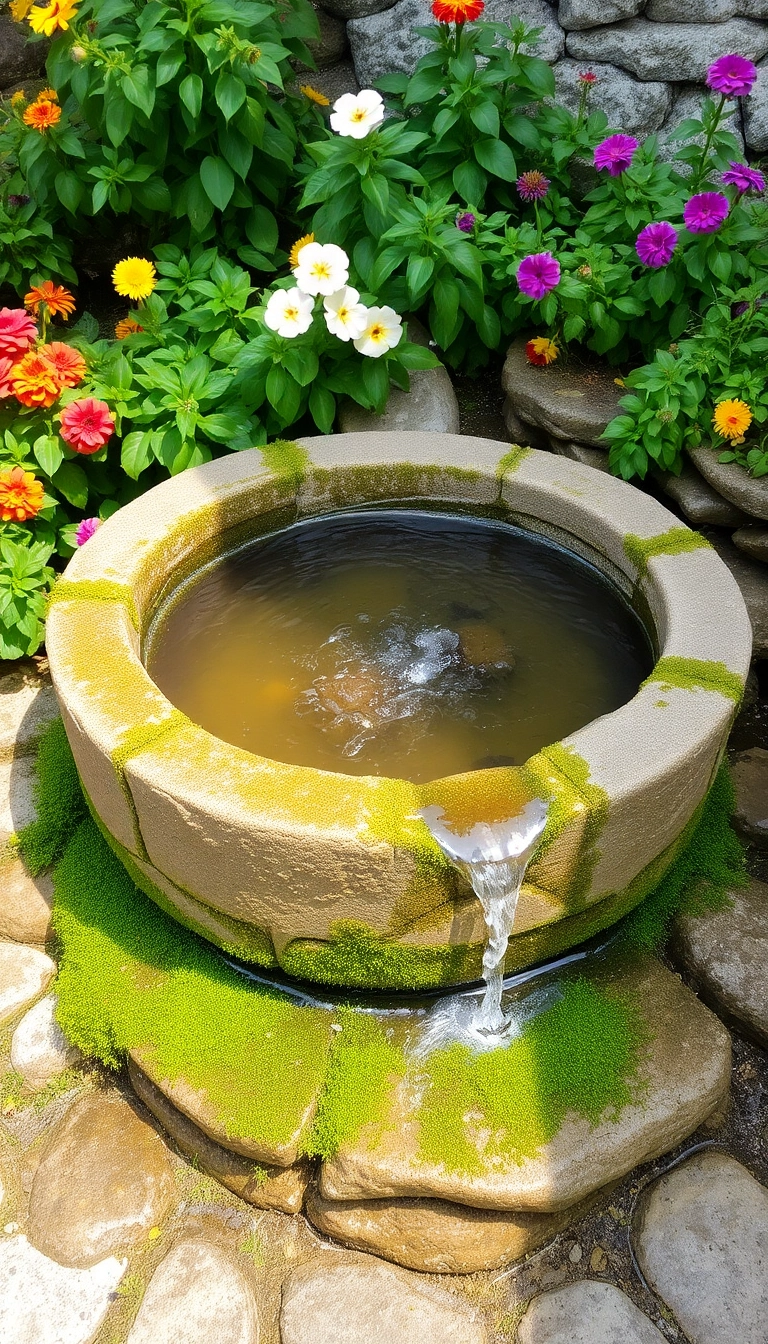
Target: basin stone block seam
<point>293,850</point>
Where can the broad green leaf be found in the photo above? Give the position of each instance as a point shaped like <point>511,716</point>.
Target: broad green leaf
<point>218,180</point>
<point>229,94</point>
<point>191,94</point>
<point>72,482</point>
<point>496,158</point>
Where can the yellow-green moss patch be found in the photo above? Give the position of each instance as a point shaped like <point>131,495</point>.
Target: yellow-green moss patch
<point>95,590</point>
<point>674,542</point>
<point>357,956</point>
<point>287,459</point>
<point>689,673</point>
<point>511,460</point>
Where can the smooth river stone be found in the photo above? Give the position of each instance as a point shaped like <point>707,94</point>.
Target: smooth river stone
<point>749,772</point>
<point>25,903</point>
<point>104,1180</point>
<point>753,541</point>
<point>198,1295</point>
<point>24,973</point>
<point>698,500</point>
<point>749,493</point>
<point>568,401</point>
<point>586,1313</point>
<point>27,704</point>
<point>280,1188</point>
<point>684,1077</point>
<point>702,1242</point>
<point>42,1302</point>
<point>17,796</point>
<point>726,953</point>
<point>429,405</point>
<point>348,1304</point>
<point>40,1051</point>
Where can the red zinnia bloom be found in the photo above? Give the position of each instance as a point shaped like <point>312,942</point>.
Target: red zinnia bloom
<point>68,363</point>
<point>457,11</point>
<point>6,365</point>
<point>86,425</point>
<point>587,77</point>
<point>17,332</point>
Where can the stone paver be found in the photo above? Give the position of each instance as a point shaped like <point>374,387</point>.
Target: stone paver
<point>749,771</point>
<point>24,973</point>
<point>39,1049</point>
<point>348,1304</point>
<point>586,1313</point>
<point>26,706</point>
<point>104,1180</point>
<point>25,903</point>
<point>702,1243</point>
<point>749,493</point>
<point>17,804</point>
<point>726,952</point>
<point>42,1302</point>
<point>753,541</point>
<point>197,1296</point>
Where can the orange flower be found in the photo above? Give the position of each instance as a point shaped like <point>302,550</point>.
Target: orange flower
<point>68,364</point>
<point>56,298</point>
<point>42,114</point>
<point>34,380</point>
<point>457,11</point>
<point>21,495</point>
<point>126,327</point>
<point>314,95</point>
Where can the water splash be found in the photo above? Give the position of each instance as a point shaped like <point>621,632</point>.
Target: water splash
<point>494,857</point>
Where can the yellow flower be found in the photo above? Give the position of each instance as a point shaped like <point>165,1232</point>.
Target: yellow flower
<point>134,278</point>
<point>732,419</point>
<point>50,18</point>
<point>314,95</point>
<point>293,255</point>
<point>50,94</point>
<point>540,350</point>
<point>20,9</point>
<point>18,98</point>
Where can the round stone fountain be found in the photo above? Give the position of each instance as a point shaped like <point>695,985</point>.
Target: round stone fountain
<point>337,878</point>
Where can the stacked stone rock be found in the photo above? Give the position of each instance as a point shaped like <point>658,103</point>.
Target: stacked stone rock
<point>650,56</point>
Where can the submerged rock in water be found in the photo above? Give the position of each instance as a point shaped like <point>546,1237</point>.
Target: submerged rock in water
<point>484,647</point>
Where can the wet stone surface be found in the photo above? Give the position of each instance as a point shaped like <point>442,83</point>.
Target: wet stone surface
<point>198,1294</point>
<point>749,770</point>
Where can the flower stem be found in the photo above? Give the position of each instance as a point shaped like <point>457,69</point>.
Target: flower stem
<point>708,144</point>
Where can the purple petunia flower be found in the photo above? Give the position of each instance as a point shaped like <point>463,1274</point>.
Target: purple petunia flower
<point>465,222</point>
<point>656,243</point>
<point>86,529</point>
<point>744,178</point>
<point>706,212</point>
<point>538,274</point>
<point>532,186</point>
<point>615,153</point>
<point>732,75</point>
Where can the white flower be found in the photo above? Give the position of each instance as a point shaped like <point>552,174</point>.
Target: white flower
<point>356,114</point>
<point>383,329</point>
<point>344,316</point>
<point>289,312</point>
<point>323,268</point>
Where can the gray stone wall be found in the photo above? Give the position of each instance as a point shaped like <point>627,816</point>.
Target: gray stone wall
<point>650,56</point>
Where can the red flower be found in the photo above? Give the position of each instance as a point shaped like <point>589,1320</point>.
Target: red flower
<point>6,364</point>
<point>587,77</point>
<point>457,11</point>
<point>17,332</point>
<point>86,425</point>
<point>68,363</point>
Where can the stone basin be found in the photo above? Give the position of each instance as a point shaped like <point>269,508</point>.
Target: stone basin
<point>330,876</point>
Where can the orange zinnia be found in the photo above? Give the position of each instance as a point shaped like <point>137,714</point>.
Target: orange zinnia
<point>34,380</point>
<point>126,327</point>
<point>67,363</point>
<point>42,114</point>
<point>56,298</point>
<point>457,11</point>
<point>21,495</point>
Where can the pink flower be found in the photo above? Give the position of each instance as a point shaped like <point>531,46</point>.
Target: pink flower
<point>706,212</point>
<point>86,529</point>
<point>615,153</point>
<point>86,425</point>
<point>532,186</point>
<point>17,332</point>
<point>744,178</point>
<point>732,75</point>
<point>465,222</point>
<point>6,364</point>
<point>538,274</point>
<point>656,243</point>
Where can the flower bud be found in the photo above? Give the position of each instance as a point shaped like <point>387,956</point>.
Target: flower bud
<point>78,53</point>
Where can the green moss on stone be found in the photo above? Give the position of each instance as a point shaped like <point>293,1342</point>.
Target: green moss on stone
<point>362,484</point>
<point>361,1070</point>
<point>357,956</point>
<point>689,673</point>
<point>59,801</point>
<point>144,735</point>
<point>287,459</point>
<point>511,460</point>
<point>576,770</point>
<point>95,590</point>
<point>674,542</point>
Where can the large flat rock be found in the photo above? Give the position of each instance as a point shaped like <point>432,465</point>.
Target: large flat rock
<point>346,1304</point>
<point>199,1295</point>
<point>684,1076</point>
<point>749,493</point>
<point>45,1303</point>
<point>40,1051</point>
<point>25,903</point>
<point>749,771</point>
<point>27,704</point>
<point>586,1313</point>
<point>698,500</point>
<point>430,404</point>
<point>702,1243</point>
<point>756,111</point>
<point>675,51</point>
<point>24,973</point>
<point>103,1182</point>
<point>578,14</point>
<point>17,796</point>
<point>752,578</point>
<point>569,401</point>
<point>726,953</point>
<point>753,541</point>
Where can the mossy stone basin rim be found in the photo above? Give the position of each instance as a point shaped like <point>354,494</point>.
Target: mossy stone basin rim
<point>329,875</point>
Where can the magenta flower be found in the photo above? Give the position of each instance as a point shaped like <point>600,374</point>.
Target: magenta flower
<point>465,222</point>
<point>706,212</point>
<point>732,75</point>
<point>615,153</point>
<point>532,186</point>
<point>656,243</point>
<point>86,529</point>
<point>538,274</point>
<point>744,178</point>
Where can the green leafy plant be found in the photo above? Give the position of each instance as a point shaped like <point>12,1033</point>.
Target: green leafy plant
<point>25,579</point>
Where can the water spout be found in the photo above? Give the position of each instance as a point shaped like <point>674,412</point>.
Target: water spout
<point>494,857</point>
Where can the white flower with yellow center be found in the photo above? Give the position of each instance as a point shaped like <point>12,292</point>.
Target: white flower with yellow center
<point>345,316</point>
<point>289,312</point>
<point>322,268</point>
<point>383,329</point>
<point>356,114</point>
